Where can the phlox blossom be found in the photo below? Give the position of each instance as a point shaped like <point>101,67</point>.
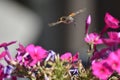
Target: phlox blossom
<point>75,57</point>
<point>68,57</point>
<point>37,53</point>
<point>111,22</point>
<point>117,52</point>
<point>114,39</point>
<point>100,70</point>
<point>114,35</point>
<point>113,61</point>
<point>93,38</point>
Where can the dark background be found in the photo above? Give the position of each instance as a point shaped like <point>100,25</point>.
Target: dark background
<point>49,11</point>
<point>103,6</point>
<point>56,38</point>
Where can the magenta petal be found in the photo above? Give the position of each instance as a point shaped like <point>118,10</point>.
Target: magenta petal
<point>21,48</point>
<point>12,42</point>
<point>93,38</point>
<point>118,53</point>
<point>110,42</point>
<point>111,22</point>
<point>42,53</point>
<point>19,58</point>
<point>75,57</point>
<point>100,70</point>
<point>88,22</point>
<point>113,61</point>
<point>3,54</point>
<point>114,35</point>
<point>36,52</point>
<point>7,59</point>
<point>33,62</point>
<point>30,49</point>
<point>67,56</point>
<point>7,44</point>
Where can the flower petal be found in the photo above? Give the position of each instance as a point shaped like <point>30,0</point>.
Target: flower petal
<point>111,22</point>
<point>3,54</point>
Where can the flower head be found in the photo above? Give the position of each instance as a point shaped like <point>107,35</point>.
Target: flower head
<point>114,38</point>
<point>100,70</point>
<point>67,56</point>
<point>114,35</point>
<point>21,48</point>
<point>75,57</point>
<point>111,22</point>
<point>37,53</point>
<point>93,38</point>
<point>113,61</point>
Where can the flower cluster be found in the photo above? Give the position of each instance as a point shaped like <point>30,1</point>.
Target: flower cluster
<point>105,63</point>
<point>36,63</point>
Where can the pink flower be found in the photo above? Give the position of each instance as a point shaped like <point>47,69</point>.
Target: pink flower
<point>101,70</point>
<point>111,42</point>
<point>111,22</point>
<point>21,49</point>
<point>117,52</point>
<point>67,56</point>
<point>37,53</point>
<point>114,35</point>
<point>75,57</point>
<point>113,61</point>
<point>114,38</point>
<point>21,54</point>
<point>93,38</point>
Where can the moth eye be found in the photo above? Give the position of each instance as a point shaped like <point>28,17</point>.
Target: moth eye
<point>62,18</point>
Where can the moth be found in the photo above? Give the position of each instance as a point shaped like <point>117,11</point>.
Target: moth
<point>67,19</point>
